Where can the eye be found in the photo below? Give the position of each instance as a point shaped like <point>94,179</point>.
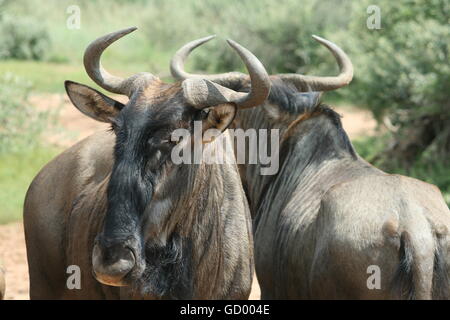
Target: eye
<point>204,113</point>
<point>166,141</point>
<point>113,127</point>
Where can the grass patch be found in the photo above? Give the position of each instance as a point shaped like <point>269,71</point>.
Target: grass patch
<point>50,77</point>
<point>17,170</point>
<point>45,76</point>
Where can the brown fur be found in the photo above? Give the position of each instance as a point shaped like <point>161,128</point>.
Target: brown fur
<point>206,229</point>
<point>328,215</point>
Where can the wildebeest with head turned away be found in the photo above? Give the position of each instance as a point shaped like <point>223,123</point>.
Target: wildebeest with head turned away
<point>117,207</point>
<point>329,225</point>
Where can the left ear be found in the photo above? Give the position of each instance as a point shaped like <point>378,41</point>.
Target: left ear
<point>92,103</point>
<point>220,117</point>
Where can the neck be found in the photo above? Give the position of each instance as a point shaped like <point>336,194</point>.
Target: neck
<point>309,143</point>
<point>193,220</point>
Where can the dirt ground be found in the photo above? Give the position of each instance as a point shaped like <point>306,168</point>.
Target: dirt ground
<point>75,127</point>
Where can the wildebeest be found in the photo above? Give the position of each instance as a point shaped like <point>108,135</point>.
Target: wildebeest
<point>329,225</point>
<point>116,207</point>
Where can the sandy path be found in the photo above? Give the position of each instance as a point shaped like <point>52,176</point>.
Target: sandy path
<point>13,256</point>
<point>76,127</point>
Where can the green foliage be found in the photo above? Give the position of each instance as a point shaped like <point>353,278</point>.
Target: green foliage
<point>278,31</point>
<point>20,123</point>
<point>370,147</point>
<point>23,37</point>
<point>403,68</point>
<point>402,73</point>
<point>22,151</point>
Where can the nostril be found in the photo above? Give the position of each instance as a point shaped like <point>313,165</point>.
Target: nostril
<point>119,256</point>
<point>112,264</point>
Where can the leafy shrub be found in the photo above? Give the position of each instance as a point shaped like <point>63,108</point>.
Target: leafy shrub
<point>278,32</point>
<point>402,73</point>
<point>23,37</point>
<point>20,123</point>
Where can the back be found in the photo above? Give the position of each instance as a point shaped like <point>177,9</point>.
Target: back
<point>394,223</point>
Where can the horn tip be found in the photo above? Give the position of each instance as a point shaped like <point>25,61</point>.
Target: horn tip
<point>319,39</point>
<point>233,43</point>
<point>120,33</point>
<point>316,37</point>
<point>207,38</point>
<point>131,29</point>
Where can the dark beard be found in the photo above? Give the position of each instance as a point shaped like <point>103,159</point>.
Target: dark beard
<point>168,273</point>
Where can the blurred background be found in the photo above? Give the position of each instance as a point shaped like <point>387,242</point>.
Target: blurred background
<point>396,110</point>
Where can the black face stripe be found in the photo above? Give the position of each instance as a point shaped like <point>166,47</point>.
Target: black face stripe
<point>142,148</point>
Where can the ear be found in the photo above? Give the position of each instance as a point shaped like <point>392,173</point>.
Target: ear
<point>92,103</point>
<point>219,118</point>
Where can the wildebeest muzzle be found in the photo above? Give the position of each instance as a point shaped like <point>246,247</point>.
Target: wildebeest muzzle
<point>115,262</point>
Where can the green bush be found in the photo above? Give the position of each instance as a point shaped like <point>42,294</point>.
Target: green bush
<point>22,37</point>
<point>402,73</point>
<point>278,32</point>
<point>22,152</point>
<point>20,123</point>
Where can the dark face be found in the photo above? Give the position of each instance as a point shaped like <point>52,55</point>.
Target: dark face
<point>144,182</point>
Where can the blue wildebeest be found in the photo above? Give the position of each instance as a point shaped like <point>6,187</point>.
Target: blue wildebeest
<point>329,225</point>
<point>116,207</point>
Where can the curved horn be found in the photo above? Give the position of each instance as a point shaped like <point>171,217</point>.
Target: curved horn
<point>314,83</point>
<point>202,91</point>
<point>229,79</point>
<point>95,70</point>
<point>260,82</point>
<point>302,82</point>
<point>179,58</point>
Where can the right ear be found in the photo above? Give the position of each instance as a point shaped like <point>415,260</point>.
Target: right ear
<point>92,103</point>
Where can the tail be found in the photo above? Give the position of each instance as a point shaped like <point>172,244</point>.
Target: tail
<point>403,282</point>
<point>2,283</point>
<point>412,281</point>
<point>441,272</point>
